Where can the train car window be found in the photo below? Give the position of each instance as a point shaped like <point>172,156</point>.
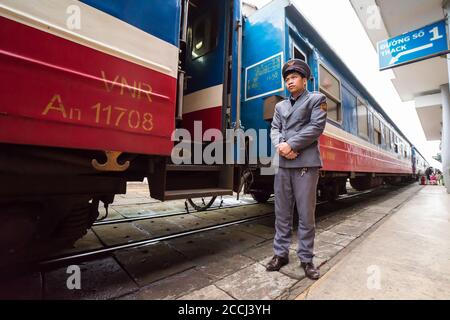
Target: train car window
<point>331,87</point>
<point>363,119</point>
<point>203,34</point>
<point>377,129</point>
<point>392,140</point>
<point>298,54</point>
<point>387,135</point>
<point>396,144</point>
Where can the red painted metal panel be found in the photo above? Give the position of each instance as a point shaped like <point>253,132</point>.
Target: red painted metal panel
<point>55,92</point>
<point>338,155</point>
<point>210,118</point>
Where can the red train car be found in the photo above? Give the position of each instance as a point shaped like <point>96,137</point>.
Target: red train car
<point>91,92</point>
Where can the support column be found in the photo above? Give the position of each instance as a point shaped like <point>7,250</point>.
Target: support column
<point>445,152</point>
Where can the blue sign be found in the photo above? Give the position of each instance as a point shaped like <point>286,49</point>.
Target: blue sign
<point>420,44</point>
<point>264,77</point>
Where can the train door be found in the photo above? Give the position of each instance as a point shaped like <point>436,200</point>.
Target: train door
<point>206,71</point>
<point>414,160</point>
<point>208,39</point>
<point>298,50</point>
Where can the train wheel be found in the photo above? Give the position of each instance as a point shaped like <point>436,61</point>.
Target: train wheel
<point>33,230</point>
<point>365,183</point>
<point>332,192</point>
<point>260,196</point>
<point>200,204</point>
<point>77,222</point>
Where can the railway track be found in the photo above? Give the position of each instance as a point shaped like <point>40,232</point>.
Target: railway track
<point>84,255</point>
<point>214,208</point>
<point>109,249</point>
<point>164,215</point>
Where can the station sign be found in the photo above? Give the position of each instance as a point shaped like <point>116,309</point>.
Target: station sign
<point>424,43</point>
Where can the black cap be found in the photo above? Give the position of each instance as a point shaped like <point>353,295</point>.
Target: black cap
<point>296,65</point>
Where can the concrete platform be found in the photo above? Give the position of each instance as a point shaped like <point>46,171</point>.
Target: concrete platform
<point>406,257</point>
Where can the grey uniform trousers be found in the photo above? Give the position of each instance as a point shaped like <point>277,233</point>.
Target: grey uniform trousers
<point>291,187</point>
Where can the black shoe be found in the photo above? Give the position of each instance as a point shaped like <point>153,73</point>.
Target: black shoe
<point>310,270</point>
<point>276,263</point>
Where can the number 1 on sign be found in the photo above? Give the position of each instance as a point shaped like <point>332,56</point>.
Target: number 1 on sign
<point>436,35</point>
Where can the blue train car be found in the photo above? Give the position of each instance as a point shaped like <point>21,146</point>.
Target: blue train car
<point>360,141</point>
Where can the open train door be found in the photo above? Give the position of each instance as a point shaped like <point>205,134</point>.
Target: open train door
<point>205,65</point>
<point>209,69</point>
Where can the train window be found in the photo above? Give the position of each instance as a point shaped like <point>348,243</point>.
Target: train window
<point>333,110</point>
<point>396,144</point>
<point>392,140</point>
<point>387,135</point>
<point>331,87</point>
<point>363,117</point>
<point>377,129</point>
<point>298,54</point>
<point>203,35</point>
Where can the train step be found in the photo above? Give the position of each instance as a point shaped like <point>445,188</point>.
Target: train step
<point>171,182</point>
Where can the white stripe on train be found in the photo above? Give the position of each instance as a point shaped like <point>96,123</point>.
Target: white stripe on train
<point>203,99</point>
<point>99,31</point>
<point>342,135</point>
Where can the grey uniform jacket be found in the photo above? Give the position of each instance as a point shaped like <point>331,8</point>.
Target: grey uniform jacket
<point>300,126</point>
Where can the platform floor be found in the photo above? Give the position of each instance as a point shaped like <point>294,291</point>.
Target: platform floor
<point>406,257</point>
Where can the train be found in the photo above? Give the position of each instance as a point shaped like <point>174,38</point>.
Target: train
<point>94,93</point>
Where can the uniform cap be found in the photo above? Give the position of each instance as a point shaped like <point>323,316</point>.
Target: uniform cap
<point>296,65</point>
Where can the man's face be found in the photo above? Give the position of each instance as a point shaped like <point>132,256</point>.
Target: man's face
<point>295,83</point>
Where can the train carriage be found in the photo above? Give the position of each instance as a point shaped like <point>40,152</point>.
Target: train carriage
<point>93,90</point>
<point>360,141</point>
<point>419,163</point>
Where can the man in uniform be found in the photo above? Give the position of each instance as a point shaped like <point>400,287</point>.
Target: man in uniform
<point>297,125</point>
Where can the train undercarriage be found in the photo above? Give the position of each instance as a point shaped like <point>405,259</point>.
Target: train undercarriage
<point>50,197</point>
<point>330,186</point>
